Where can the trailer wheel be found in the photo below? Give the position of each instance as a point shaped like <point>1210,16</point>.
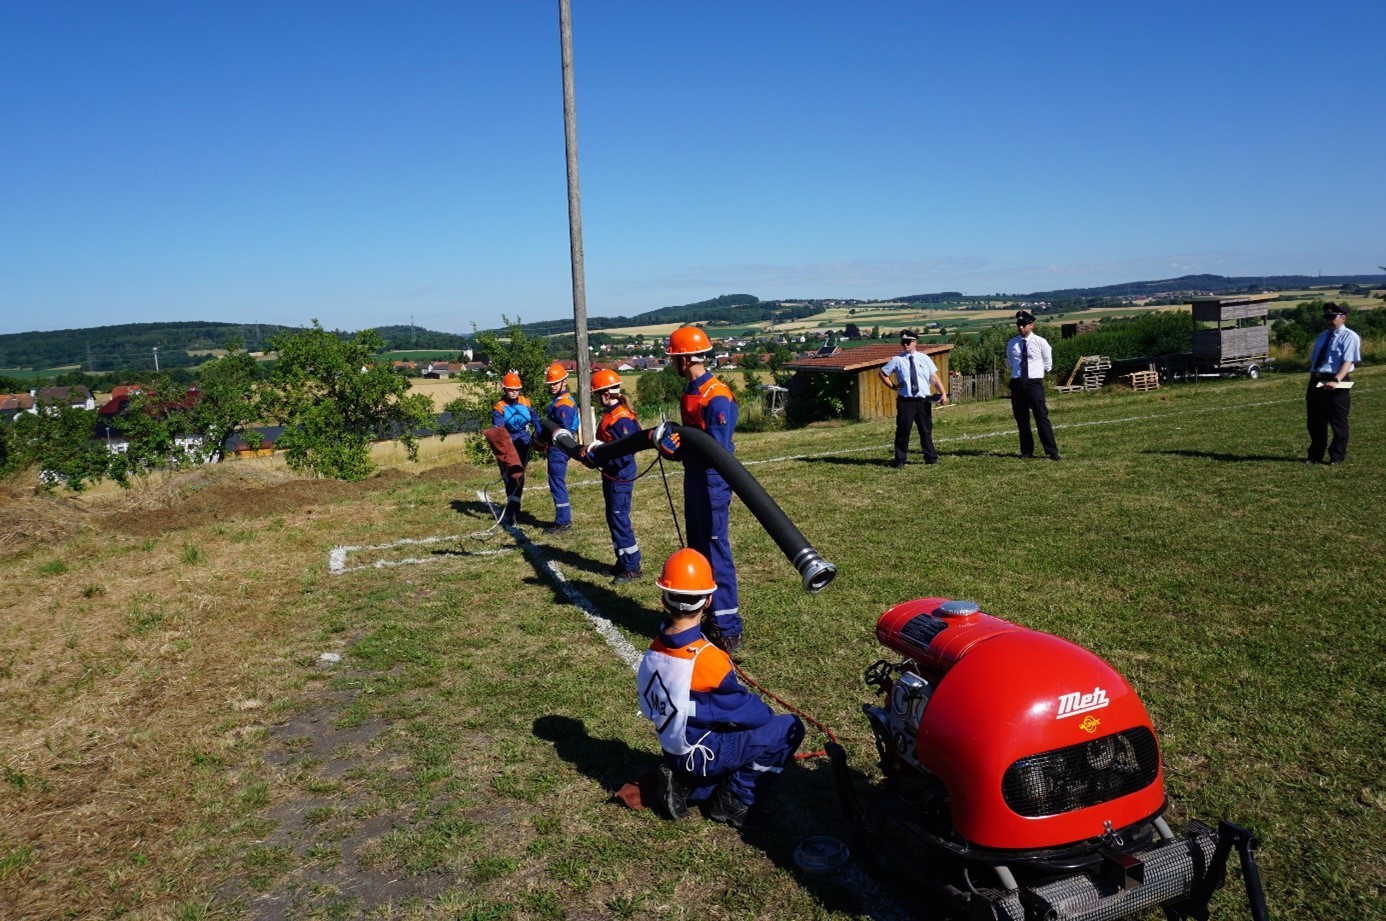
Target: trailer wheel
<point>1253,371</point>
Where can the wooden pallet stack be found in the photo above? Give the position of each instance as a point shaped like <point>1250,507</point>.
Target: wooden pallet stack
<point>1142,381</point>
<point>1089,373</point>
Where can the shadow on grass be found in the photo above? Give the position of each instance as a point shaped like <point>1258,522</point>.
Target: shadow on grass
<point>1233,458</point>
<point>481,511</point>
<point>845,461</point>
<point>803,803</point>
<point>610,762</point>
<point>640,619</point>
<point>1013,454</point>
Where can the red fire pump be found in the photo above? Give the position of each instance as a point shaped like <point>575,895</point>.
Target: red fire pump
<point>1023,778</point>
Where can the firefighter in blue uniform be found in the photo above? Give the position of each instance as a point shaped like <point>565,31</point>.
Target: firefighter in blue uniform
<point>708,404</point>
<point>562,412</point>
<point>514,413</point>
<point>618,474</point>
<point>722,744</point>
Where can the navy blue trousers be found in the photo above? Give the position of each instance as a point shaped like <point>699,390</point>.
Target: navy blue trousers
<point>617,496</point>
<point>558,486</point>
<point>749,760</point>
<point>706,508</point>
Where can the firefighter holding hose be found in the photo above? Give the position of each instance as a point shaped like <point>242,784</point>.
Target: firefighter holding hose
<point>722,744</point>
<point>562,412</point>
<point>514,413</point>
<point>618,474</point>
<point>708,404</point>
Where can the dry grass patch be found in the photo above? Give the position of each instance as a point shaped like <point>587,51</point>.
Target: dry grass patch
<point>139,679</point>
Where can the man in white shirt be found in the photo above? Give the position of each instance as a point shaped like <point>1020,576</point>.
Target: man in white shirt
<point>915,375</point>
<point>1030,358</point>
<point>1335,353</point>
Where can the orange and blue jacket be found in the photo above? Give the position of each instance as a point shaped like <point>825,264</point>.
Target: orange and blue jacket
<point>618,422</point>
<point>518,418</point>
<point>720,702</point>
<point>708,404</point>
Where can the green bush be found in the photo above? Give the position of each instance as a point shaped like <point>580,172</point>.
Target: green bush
<point>1167,333</point>
<point>824,396</point>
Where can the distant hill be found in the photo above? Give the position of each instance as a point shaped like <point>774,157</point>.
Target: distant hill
<point>1213,284</point>
<point>1185,284</point>
<point>130,346</point>
<point>728,310</point>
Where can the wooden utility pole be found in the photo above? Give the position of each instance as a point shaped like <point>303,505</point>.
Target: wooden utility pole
<point>584,381</point>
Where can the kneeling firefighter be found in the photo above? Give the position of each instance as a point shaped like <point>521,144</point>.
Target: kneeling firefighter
<point>722,744</point>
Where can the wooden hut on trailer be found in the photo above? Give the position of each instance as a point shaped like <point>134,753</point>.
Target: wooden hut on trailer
<point>1230,333</point>
<point>867,396</point>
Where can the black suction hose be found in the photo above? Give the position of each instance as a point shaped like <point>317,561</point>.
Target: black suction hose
<point>815,571</point>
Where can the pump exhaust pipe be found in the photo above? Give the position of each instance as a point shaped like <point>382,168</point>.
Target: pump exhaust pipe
<point>815,571</point>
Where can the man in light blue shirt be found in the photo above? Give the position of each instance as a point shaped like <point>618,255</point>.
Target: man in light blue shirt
<point>915,376</point>
<point>1336,352</point>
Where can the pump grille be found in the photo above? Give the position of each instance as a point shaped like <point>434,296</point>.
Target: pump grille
<point>1082,775</point>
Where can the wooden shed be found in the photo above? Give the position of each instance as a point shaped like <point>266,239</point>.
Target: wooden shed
<point>1230,331</point>
<point>867,396</point>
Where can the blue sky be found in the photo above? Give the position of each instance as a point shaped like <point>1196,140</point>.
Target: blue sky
<point>365,163</point>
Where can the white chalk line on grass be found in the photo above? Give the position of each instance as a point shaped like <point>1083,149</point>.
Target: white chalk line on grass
<point>337,557</point>
<point>605,628</point>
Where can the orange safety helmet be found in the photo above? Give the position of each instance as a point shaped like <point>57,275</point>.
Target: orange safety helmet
<point>555,373</point>
<point>689,340</point>
<point>602,379</point>
<point>687,572</point>
<point>511,381</point>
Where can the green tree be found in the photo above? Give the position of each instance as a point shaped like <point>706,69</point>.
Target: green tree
<point>227,400</point>
<point>779,354</point>
<point>517,351</point>
<point>152,423</point>
<point>334,398</point>
<point>660,393</point>
<point>59,441</point>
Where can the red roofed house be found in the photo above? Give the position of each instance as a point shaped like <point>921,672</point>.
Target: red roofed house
<point>867,396</point>
<point>12,404</point>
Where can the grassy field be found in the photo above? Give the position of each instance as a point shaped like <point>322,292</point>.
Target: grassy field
<point>958,318</point>
<point>174,744</point>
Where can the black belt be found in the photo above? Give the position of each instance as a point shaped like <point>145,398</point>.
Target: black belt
<point>911,399</point>
<point>1316,377</point>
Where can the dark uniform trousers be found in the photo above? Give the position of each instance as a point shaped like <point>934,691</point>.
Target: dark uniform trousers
<point>919,413</point>
<point>1027,397</point>
<point>1327,409</point>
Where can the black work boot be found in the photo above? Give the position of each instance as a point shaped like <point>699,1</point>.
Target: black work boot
<point>673,794</point>
<point>727,807</point>
<point>732,646</point>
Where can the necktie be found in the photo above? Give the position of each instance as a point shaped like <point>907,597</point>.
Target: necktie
<point>1320,353</point>
<point>1024,358</point>
<point>914,378</point>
